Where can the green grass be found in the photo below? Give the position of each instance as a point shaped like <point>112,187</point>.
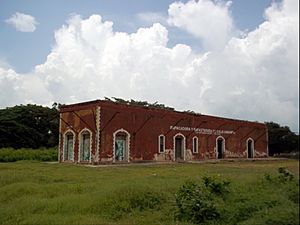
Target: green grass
<point>42,154</point>
<point>52,193</point>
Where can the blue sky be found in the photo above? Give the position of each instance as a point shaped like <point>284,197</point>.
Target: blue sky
<point>14,45</point>
<point>236,59</point>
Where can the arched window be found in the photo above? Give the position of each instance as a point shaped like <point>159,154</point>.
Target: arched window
<point>85,145</point>
<point>69,141</point>
<point>121,146</point>
<point>220,147</point>
<point>161,143</point>
<point>195,145</point>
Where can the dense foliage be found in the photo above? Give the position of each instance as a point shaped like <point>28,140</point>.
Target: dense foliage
<point>281,139</point>
<point>29,126</point>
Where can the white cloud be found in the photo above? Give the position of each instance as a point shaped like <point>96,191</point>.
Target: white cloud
<point>208,20</point>
<point>137,65</point>
<point>257,76</point>
<point>22,88</point>
<point>254,77</point>
<point>22,22</point>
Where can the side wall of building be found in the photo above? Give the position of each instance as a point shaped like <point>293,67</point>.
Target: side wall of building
<point>144,126</point>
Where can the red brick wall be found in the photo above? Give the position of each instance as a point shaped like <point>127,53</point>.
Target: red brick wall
<point>76,118</point>
<point>145,125</point>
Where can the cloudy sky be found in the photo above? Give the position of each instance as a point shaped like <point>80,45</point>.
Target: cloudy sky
<point>236,59</point>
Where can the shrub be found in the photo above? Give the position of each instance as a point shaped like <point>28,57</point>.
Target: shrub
<point>198,203</point>
<point>284,174</point>
<point>216,186</point>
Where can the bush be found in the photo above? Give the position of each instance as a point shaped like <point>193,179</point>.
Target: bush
<point>284,174</point>
<point>12,155</point>
<point>285,179</point>
<point>216,187</point>
<point>198,203</point>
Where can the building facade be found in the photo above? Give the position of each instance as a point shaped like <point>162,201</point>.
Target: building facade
<point>104,131</point>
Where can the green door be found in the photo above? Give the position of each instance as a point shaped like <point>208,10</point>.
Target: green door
<point>85,153</point>
<point>69,150</point>
<point>120,149</point>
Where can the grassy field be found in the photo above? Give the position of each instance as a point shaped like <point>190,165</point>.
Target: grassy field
<point>52,193</point>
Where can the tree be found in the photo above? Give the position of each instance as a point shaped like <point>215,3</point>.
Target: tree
<point>281,139</point>
<point>29,126</point>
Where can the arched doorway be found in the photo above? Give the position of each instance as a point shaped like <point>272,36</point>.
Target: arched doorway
<point>220,147</point>
<point>69,139</point>
<point>85,145</point>
<point>179,147</point>
<point>250,148</point>
<point>121,146</point>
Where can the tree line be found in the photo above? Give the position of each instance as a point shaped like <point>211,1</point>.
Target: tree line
<point>281,139</point>
<point>35,126</point>
<point>29,126</point>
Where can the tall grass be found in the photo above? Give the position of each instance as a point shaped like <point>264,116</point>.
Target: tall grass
<point>13,155</point>
<point>43,193</point>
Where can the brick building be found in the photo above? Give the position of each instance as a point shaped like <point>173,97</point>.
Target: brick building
<point>103,131</point>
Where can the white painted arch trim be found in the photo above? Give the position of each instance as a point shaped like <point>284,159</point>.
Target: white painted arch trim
<point>164,143</point>
<point>97,137</point>
<point>85,130</point>
<point>64,139</point>
<point>127,142</point>
<point>223,146</point>
<point>252,146</point>
<point>184,145</point>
